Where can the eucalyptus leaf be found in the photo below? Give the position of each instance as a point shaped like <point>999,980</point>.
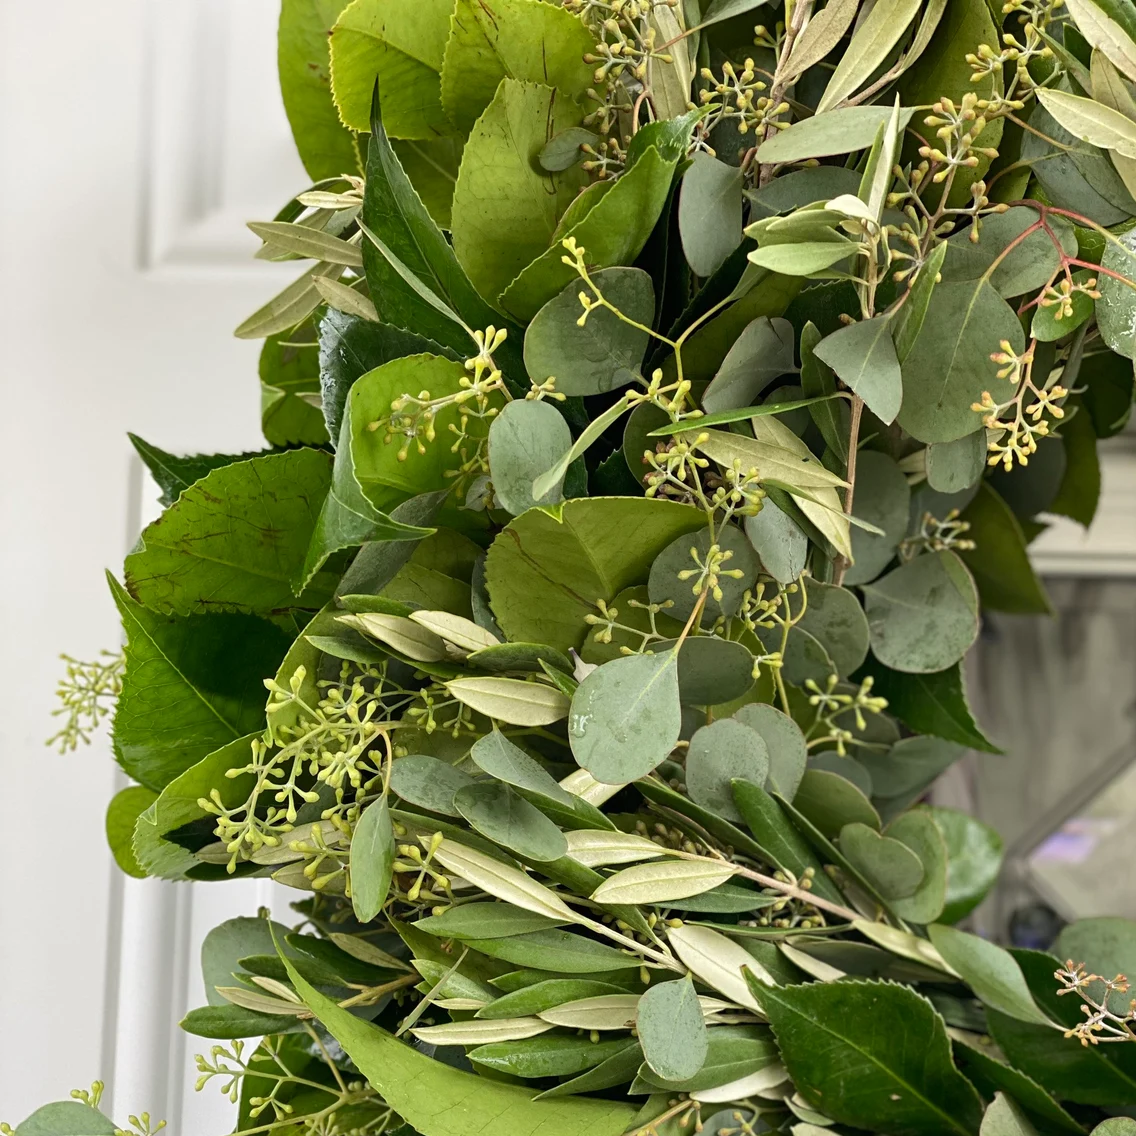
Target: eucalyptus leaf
<point>525,439</point>
<point>718,754</point>
<point>863,356</point>
<point>671,1030</point>
<point>372,860</point>
<point>710,213</point>
<point>500,813</point>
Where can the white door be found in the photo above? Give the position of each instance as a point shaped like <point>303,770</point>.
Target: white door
<point>136,137</point>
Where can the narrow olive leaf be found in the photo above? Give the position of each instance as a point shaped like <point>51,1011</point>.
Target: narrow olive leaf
<point>307,242</point>
<point>485,921</point>
<point>455,629</point>
<point>1104,34</point>
<point>879,173</point>
<point>1091,121</point>
<point>512,700</point>
<point>554,476</point>
<point>719,962</point>
<point>372,860</point>
<point>789,462</point>
<point>503,882</point>
<point>990,971</point>
<point>525,439</point>
<point>606,1012</point>
<point>412,280</point>
<point>863,356</point>
<point>803,258</point>
<point>1004,1118</point>
<point>595,848</point>
<point>1111,89</point>
<point>869,47</point>
<point>625,717</point>
<point>902,943</point>
<point>741,414</point>
<point>671,1029</point>
<point>834,132</point>
<point>346,299</point>
<point>753,1084</point>
<point>401,634</point>
<point>822,33</point>
<point>663,882</point>
<point>481,1033</point>
<point>928,22</point>
<point>909,319</point>
<point>288,308</point>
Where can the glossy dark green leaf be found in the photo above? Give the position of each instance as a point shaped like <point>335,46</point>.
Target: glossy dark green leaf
<point>502,815</point>
<point>990,1075</point>
<point>974,859</point>
<point>290,412</point>
<point>173,473</point>
<point>603,354</point>
<point>545,573</point>
<point>625,717</point>
<point>121,818</point>
<point>393,211</point>
<point>923,615</point>
<point>372,859</point>
<point>191,684</point>
<point>1000,563</point>
<point>934,703</point>
<point>236,539</point>
<point>445,1101</point>
<point>896,1077</point>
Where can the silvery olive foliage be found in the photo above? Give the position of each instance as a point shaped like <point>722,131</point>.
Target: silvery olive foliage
<point>663,394</point>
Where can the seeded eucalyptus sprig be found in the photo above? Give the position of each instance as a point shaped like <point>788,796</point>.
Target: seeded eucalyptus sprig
<point>662,399</point>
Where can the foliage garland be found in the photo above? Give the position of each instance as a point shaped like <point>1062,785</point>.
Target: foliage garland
<point>666,398</point>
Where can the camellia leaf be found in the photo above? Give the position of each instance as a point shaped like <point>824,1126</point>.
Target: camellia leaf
<point>625,717</point>
<point>191,684</point>
<point>710,213</point>
<point>235,540</point>
<point>923,616</point>
<point>372,859</point>
<point>897,1077</point>
<point>444,1101</point>
<point>505,207</point>
<point>174,473</point>
<point>525,440</point>
<point>521,39</point>
<point>402,43</point>
<point>605,352</point>
<point>974,859</point>
<point>545,573</point>
<point>863,356</point>
<point>671,1030</point>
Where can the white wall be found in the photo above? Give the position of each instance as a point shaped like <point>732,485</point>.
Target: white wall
<point>134,139</point>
